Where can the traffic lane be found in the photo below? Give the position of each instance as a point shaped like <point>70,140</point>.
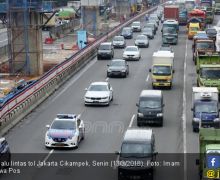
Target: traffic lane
<point>172,129</point>
<point>111,123</point>
<point>47,111</point>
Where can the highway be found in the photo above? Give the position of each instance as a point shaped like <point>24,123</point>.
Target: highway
<point>105,126</point>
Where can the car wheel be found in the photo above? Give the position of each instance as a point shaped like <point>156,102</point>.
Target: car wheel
<point>139,124</point>
<point>98,58</point>
<point>161,123</point>
<point>83,137</point>
<point>77,145</point>
<point>147,45</point>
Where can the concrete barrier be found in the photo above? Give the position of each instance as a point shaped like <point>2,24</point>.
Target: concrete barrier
<point>23,103</point>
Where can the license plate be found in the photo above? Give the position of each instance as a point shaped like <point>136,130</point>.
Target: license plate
<point>95,101</point>
<point>60,144</point>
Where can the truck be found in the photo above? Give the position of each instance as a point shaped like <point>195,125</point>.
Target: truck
<point>205,108</point>
<point>51,23</point>
<point>206,3</point>
<point>202,46</point>
<point>209,149</point>
<point>209,15</point>
<point>162,69</point>
<point>169,35</point>
<point>217,7</point>
<point>183,17</point>
<point>171,12</point>
<point>208,70</point>
<point>198,14</point>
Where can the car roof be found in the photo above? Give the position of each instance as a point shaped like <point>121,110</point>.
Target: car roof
<point>66,117</point>
<point>118,60</point>
<point>99,83</point>
<point>126,27</point>
<point>136,22</point>
<point>106,43</point>
<point>139,134</point>
<point>151,93</point>
<point>131,46</point>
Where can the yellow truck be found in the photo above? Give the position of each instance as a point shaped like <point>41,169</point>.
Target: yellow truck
<point>193,29</point>
<point>162,69</point>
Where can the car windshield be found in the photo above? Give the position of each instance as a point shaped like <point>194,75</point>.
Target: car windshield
<point>165,48</point>
<point>105,47</point>
<point>161,70</point>
<point>204,45</point>
<point>98,88</point>
<point>136,150</point>
<point>169,30</point>
<point>206,107</point>
<point>126,31</point>
<point>141,37</point>
<point>211,31</point>
<point>194,28</point>
<point>118,38</point>
<point>62,124</point>
<point>170,25</point>
<point>131,49</point>
<point>136,24</point>
<point>117,63</point>
<point>147,30</point>
<point>152,21</point>
<point>213,151</point>
<point>151,103</point>
<point>150,25</point>
<point>210,73</point>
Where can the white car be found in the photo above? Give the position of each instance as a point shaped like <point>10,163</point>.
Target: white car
<point>141,41</point>
<point>66,131</point>
<point>136,26</point>
<point>99,93</point>
<point>119,42</point>
<point>132,53</point>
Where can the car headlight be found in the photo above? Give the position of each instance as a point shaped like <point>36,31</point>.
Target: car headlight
<point>216,120</point>
<point>159,114</point>
<point>109,70</point>
<point>140,115</point>
<point>106,97</point>
<point>87,97</point>
<point>123,70</point>
<point>196,119</point>
<point>168,80</point>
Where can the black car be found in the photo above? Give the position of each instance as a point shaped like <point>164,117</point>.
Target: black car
<point>211,33</point>
<point>148,32</point>
<point>127,32</point>
<point>5,154</point>
<point>106,50</point>
<point>152,26</point>
<point>150,108</point>
<point>118,67</point>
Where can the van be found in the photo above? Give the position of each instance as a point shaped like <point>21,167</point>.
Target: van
<point>106,50</point>
<point>137,151</point>
<point>193,29</point>
<point>150,107</point>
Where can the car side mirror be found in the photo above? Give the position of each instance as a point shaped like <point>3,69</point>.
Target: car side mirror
<point>173,71</point>
<point>197,161</point>
<point>192,109</point>
<point>117,152</point>
<point>137,104</point>
<point>47,126</point>
<point>149,70</point>
<point>111,89</point>
<point>108,65</point>
<point>163,105</point>
<point>86,89</point>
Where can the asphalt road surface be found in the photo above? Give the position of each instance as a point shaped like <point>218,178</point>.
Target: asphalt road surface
<point>105,126</point>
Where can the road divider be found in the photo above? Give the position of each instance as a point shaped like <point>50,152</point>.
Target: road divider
<point>26,101</point>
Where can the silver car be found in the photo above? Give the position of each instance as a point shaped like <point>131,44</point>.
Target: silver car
<point>142,41</point>
<point>118,67</point>
<point>119,42</point>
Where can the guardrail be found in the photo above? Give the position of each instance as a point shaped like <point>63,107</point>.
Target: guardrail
<point>24,102</point>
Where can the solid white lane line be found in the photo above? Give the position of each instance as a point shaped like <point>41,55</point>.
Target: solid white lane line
<point>147,78</point>
<point>184,115</point>
<point>132,120</point>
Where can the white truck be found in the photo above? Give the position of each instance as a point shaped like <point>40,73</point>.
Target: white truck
<point>205,108</point>
<point>162,69</point>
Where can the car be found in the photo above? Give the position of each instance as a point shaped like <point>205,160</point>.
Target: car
<point>118,67</point>
<point>5,153</point>
<point>142,41</point>
<point>138,145</point>
<point>154,17</point>
<point>105,50</point>
<point>211,33</point>
<point>99,93</point>
<point>136,26</point>
<point>119,42</point>
<point>153,21</point>
<point>132,53</point>
<point>127,33</point>
<point>150,107</point>
<point>148,32</point>
<point>166,47</point>
<point>200,35</point>
<point>66,131</point>
<point>152,26</point>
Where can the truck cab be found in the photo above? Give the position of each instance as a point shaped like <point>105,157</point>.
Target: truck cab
<point>193,29</point>
<point>205,108</point>
<point>169,35</point>
<point>171,23</point>
<point>162,69</point>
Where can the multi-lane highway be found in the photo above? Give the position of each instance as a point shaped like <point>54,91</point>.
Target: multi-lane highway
<point>105,126</point>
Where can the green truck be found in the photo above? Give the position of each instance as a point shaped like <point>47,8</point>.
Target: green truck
<point>209,147</point>
<point>208,70</point>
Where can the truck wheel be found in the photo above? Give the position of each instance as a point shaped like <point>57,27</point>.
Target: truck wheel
<point>195,129</point>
